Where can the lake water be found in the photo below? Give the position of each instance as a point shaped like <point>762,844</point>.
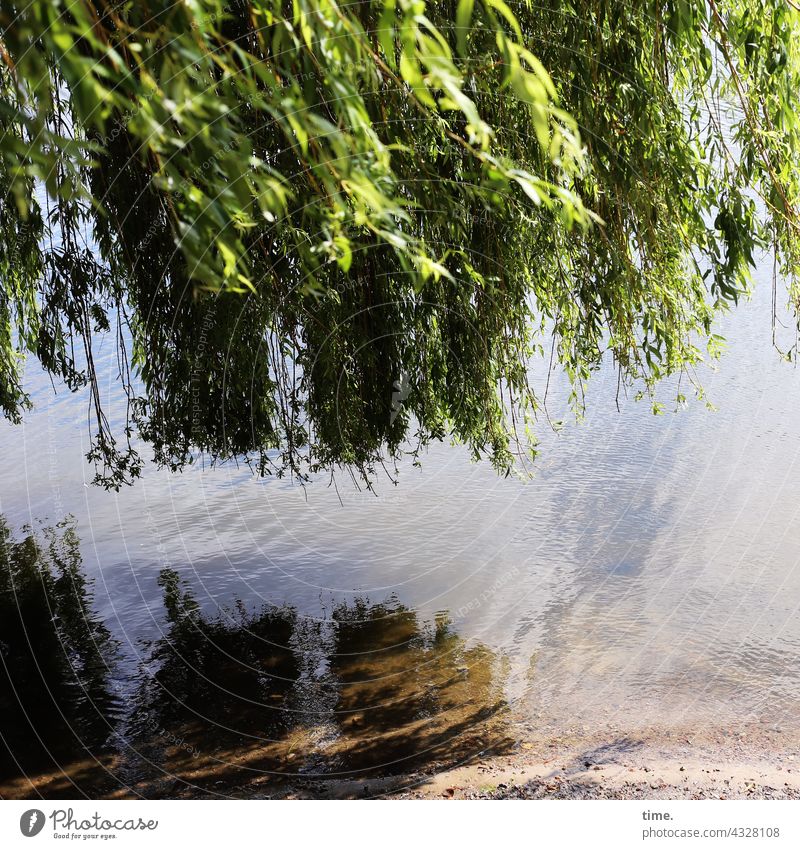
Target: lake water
<point>234,629</point>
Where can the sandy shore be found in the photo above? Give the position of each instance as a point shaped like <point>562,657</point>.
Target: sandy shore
<point>753,761</point>
<point>712,767</point>
<point>659,778</point>
<point>746,763</point>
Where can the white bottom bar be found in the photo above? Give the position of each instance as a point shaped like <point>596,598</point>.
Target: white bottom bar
<point>354,825</point>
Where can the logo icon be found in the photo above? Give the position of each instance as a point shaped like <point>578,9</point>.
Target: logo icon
<point>31,822</point>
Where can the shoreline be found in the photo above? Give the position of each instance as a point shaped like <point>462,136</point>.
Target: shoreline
<point>660,777</point>
<point>721,765</point>
<point>748,762</point>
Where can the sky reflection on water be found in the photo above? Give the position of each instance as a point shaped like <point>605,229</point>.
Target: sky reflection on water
<point>647,574</point>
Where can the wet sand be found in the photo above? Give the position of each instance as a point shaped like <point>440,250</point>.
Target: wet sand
<point>647,775</point>
<point>748,762</point>
<point>717,765</point>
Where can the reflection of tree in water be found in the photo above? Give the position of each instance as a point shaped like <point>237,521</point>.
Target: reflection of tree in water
<point>56,703</point>
<point>412,694</point>
<point>231,673</point>
<point>241,696</point>
<point>225,700</point>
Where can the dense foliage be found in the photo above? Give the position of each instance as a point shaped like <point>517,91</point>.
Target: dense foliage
<point>318,230</point>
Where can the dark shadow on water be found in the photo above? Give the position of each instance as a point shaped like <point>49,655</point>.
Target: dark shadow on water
<point>609,753</point>
<point>243,701</point>
<point>237,702</point>
<point>411,694</point>
<point>57,708</point>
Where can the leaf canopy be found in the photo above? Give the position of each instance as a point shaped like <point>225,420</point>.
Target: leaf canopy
<point>291,213</point>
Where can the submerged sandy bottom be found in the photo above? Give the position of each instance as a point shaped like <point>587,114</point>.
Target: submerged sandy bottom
<point>746,761</point>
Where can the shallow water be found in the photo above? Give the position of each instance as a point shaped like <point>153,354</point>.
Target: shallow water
<point>645,577</point>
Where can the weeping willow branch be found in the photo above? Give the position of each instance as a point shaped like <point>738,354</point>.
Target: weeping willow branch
<point>281,209</point>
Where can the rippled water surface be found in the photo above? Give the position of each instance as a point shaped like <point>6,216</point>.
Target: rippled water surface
<point>210,630</point>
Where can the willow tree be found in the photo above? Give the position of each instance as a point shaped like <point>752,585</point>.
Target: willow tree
<point>327,233</point>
